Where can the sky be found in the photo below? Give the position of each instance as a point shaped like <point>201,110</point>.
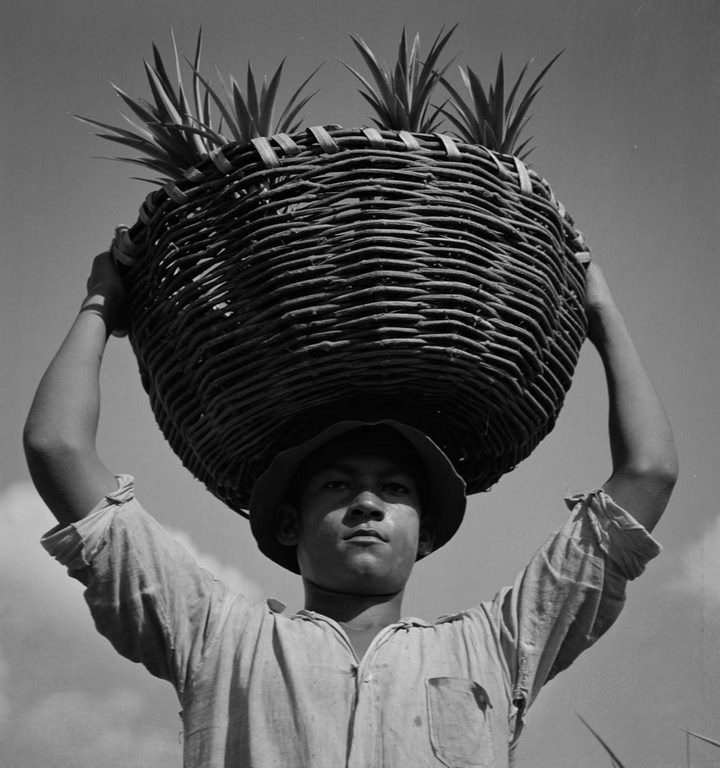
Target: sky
<point>625,130</point>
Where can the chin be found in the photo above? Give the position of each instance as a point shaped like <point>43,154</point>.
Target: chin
<point>358,573</point>
<point>366,581</point>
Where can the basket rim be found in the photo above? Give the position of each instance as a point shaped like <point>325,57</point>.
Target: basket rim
<point>128,242</point>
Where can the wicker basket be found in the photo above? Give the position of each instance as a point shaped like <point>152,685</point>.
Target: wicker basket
<point>337,274</point>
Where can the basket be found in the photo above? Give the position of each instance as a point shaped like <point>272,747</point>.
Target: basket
<point>353,274</point>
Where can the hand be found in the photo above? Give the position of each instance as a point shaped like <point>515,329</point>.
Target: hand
<point>106,294</point>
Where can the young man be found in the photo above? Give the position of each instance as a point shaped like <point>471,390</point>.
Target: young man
<point>346,681</point>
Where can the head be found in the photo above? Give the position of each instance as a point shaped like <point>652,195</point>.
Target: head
<point>357,512</point>
<point>382,478</point>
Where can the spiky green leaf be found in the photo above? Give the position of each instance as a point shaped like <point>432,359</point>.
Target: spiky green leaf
<point>251,99</point>
<point>172,136</point>
<point>489,117</point>
<point>292,108</point>
<point>383,92</point>
<point>400,96</point>
<point>267,98</point>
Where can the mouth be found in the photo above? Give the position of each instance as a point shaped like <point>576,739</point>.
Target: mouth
<point>365,533</point>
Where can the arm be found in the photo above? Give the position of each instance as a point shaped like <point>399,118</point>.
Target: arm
<point>644,462</point>
<point>573,589</point>
<point>61,427</point>
<point>147,594</point>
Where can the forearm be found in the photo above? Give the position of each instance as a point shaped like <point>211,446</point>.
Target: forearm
<point>61,426</point>
<point>643,454</point>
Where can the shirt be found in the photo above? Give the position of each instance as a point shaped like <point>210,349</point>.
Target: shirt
<point>262,690</point>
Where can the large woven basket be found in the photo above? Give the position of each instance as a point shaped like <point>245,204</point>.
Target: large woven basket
<point>338,274</point>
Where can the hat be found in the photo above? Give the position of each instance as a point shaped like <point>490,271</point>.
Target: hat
<point>445,487</point>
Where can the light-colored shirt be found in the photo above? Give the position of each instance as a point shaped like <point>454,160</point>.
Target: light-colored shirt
<point>259,689</point>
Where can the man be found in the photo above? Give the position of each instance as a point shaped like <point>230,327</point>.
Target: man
<point>348,680</point>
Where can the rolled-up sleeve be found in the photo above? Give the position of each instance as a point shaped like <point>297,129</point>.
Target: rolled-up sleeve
<point>147,594</point>
<point>571,591</point>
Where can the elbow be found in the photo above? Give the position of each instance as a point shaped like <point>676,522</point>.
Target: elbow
<point>39,445</point>
<point>652,460</point>
<point>663,478</point>
<point>35,443</point>
<point>669,471</point>
<point>660,471</point>
<point>44,450</point>
<point>665,467</point>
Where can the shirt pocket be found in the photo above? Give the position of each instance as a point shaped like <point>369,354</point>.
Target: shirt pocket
<point>459,722</point>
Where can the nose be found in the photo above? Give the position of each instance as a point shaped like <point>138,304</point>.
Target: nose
<point>367,504</point>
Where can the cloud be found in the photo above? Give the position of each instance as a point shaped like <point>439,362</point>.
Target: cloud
<point>81,729</point>
<point>66,697</point>
<point>34,594</point>
<point>230,575</point>
<point>700,567</point>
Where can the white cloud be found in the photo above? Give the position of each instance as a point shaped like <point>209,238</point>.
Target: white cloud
<point>35,591</point>
<point>83,730</point>
<point>230,575</point>
<point>700,566</point>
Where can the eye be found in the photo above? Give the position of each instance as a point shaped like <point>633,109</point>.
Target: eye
<point>333,485</point>
<point>397,488</point>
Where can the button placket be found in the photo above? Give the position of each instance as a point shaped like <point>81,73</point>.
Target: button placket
<point>366,748</point>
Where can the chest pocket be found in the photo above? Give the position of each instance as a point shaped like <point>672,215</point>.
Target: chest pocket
<point>460,724</point>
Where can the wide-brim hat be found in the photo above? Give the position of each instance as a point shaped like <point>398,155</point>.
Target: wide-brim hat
<point>445,489</point>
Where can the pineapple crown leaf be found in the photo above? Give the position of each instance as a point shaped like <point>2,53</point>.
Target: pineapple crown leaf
<point>171,136</point>
<point>202,100</point>
<point>213,138</point>
<point>142,109</point>
<point>489,117</point>
<point>245,122</point>
<point>401,96</point>
<point>223,109</point>
<point>252,98</point>
<point>383,93</point>
<point>253,113</point>
<point>268,94</point>
<point>293,106</point>
<point>522,152</point>
<point>166,105</point>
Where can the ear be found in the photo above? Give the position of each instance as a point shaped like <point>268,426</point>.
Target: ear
<point>288,525</point>
<point>426,541</point>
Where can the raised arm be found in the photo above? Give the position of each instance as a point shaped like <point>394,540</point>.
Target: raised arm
<point>61,427</point>
<point>644,462</point>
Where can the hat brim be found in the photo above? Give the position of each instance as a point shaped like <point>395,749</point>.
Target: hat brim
<point>446,489</point>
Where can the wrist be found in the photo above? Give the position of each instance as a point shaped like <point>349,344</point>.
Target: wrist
<point>101,305</point>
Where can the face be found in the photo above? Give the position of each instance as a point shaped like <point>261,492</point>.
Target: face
<point>357,523</point>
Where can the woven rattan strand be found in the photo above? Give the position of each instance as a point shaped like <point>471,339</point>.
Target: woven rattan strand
<point>367,274</point>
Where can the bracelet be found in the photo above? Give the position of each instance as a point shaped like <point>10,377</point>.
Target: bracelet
<point>99,306</point>
<point>93,306</point>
